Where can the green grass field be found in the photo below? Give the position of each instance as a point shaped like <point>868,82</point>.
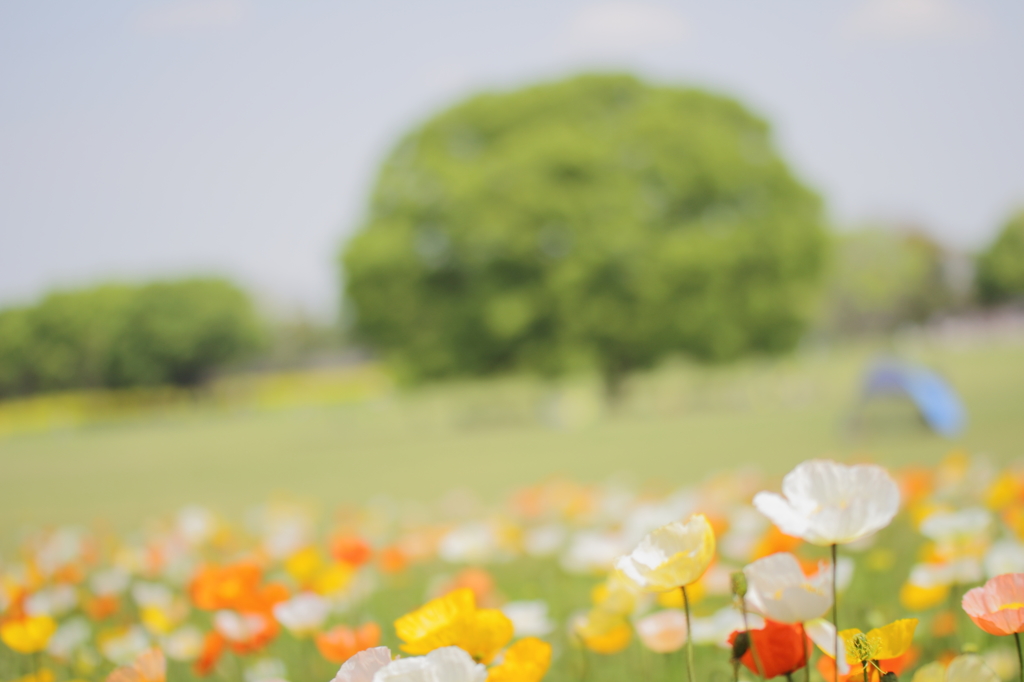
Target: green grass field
<point>678,425</point>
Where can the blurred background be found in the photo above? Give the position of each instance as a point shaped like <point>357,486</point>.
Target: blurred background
<point>340,250</point>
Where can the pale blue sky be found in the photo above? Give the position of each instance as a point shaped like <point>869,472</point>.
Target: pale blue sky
<point>240,136</point>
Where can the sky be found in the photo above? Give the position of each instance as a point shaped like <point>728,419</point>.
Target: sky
<point>241,137</point>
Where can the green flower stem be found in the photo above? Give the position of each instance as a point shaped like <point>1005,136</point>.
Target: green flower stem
<point>750,639</point>
<point>835,615</point>
<point>1020,656</point>
<point>689,638</point>
<point>807,654</point>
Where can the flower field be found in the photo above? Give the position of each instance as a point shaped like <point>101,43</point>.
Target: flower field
<point>728,578</point>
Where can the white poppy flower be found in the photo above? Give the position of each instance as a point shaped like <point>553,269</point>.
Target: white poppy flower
<point>827,503</point>
<point>966,668</point>
<point>448,664</point>
<point>1005,556</point>
<point>71,635</point>
<point>52,601</point>
<point>544,541</point>
<point>664,631</point>
<point>778,589</point>
<point>304,613</point>
<point>965,523</point>
<point>592,551</point>
<point>364,665</point>
<point>184,644</point>
<point>529,618</point>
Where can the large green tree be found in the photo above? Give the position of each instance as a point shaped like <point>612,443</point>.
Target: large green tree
<point>600,219</point>
<point>1000,274</point>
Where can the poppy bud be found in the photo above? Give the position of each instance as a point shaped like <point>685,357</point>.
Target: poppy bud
<point>740,645</point>
<point>890,677</point>
<point>739,584</point>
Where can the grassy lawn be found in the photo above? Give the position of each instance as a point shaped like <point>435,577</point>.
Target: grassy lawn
<point>678,425</point>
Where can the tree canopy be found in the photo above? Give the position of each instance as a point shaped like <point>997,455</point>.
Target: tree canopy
<point>597,220</point>
<point>1001,267</point>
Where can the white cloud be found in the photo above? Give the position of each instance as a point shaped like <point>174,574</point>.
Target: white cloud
<point>190,15</point>
<point>903,20</point>
<point>617,27</point>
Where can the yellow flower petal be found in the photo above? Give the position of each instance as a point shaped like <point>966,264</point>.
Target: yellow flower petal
<point>28,635</point>
<point>893,639</point>
<point>525,661</point>
<point>917,598</point>
<point>435,614</point>
<point>603,632</point>
<point>453,620</point>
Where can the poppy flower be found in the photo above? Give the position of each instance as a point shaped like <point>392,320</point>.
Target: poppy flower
<point>303,614</point>
<point>149,666</point>
<point>663,632</point>
<point>966,668</point>
<point>887,642</point>
<point>450,664</point>
<point>351,549</point>
<point>224,587</point>
<point>27,634</point>
<point>392,560</point>
<point>341,643</point>
<point>454,620</point>
<point>364,665</point>
<point>781,649</point>
<point>827,503</point>
<point>778,589</point>
<point>529,618</point>
<point>602,632</point>
<point>672,556</point>
<point>998,606</point>
<point>525,661</point>
<point>245,633</point>
<point>214,645</point>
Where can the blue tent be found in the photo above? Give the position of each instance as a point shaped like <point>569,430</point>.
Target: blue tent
<point>939,405</point>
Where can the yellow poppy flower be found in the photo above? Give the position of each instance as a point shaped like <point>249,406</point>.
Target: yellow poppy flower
<point>525,661</point>
<point>615,595</point>
<point>28,635</point>
<point>454,620</point>
<point>304,565</point>
<point>672,556</point>
<point>881,643</point>
<point>917,598</point>
<point>603,632</point>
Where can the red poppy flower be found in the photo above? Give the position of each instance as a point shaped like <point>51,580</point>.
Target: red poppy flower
<point>781,649</point>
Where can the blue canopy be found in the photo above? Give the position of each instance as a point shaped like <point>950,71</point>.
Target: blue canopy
<point>939,405</point>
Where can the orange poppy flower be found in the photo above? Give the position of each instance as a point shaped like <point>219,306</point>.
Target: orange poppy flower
<point>351,549</point>
<point>213,647</point>
<point>392,559</point>
<point>223,587</point>
<point>341,643</point>
<point>998,606</point>
<point>236,587</point>
<point>781,649</point>
<point>773,542</point>
<point>102,607</point>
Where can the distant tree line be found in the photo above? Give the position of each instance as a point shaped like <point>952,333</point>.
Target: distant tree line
<point>118,335</point>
